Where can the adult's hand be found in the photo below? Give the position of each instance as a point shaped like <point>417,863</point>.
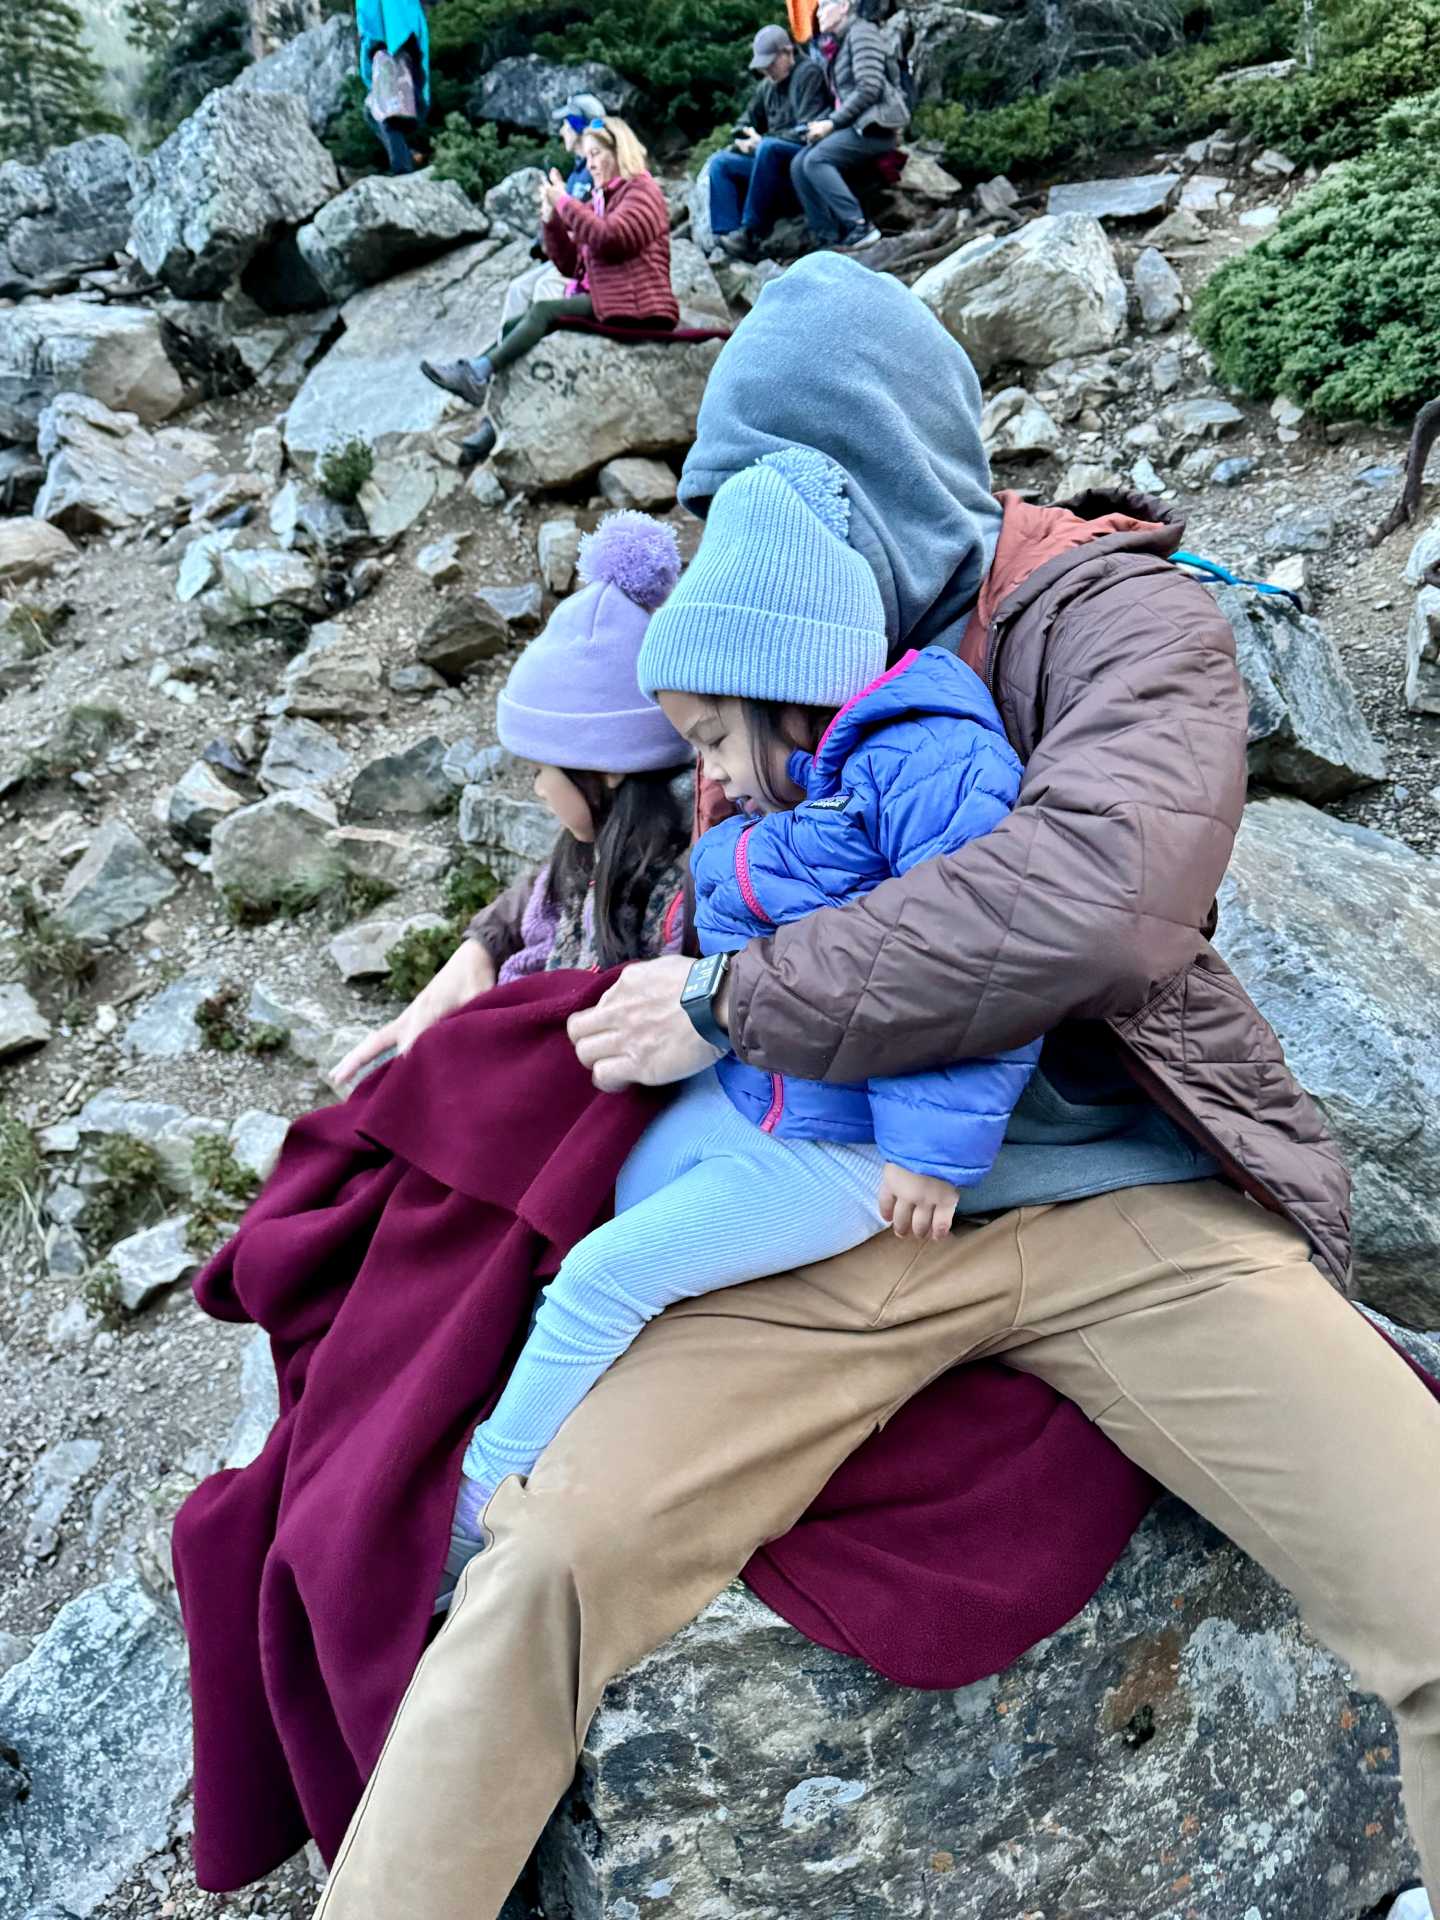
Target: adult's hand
<point>468,971</point>
<point>748,141</point>
<point>818,129</point>
<point>639,1035</point>
<point>556,183</point>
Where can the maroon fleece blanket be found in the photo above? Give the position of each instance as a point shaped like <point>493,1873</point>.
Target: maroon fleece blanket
<point>393,1258</point>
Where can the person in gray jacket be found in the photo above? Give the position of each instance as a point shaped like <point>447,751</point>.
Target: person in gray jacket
<point>869,114</point>
<point>750,185</point>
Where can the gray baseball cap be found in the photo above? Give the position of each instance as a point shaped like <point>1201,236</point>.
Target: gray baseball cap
<point>769,41</point>
<point>581,106</point>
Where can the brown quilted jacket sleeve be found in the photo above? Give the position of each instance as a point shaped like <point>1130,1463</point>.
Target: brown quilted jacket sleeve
<point>1090,896</point>
<point>497,927</point>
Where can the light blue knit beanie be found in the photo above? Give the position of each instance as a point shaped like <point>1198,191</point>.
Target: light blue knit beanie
<point>776,605</point>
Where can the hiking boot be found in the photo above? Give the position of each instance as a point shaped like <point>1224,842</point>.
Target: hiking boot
<point>457,377</point>
<point>863,235</point>
<point>742,244</point>
<point>478,446</point>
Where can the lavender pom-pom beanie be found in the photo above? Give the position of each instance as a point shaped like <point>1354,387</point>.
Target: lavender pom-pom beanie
<point>572,699</point>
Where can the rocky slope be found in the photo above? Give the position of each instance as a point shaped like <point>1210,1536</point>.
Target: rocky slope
<point>246,734</point>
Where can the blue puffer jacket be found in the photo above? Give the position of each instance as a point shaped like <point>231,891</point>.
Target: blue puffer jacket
<point>913,768</point>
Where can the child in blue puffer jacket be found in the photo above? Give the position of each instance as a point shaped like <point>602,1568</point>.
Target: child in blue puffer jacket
<point>848,775</point>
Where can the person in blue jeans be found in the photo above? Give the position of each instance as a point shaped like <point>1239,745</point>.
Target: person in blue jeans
<point>750,185</point>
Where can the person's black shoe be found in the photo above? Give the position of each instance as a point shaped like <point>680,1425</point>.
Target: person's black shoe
<point>742,244</point>
<point>457,377</point>
<point>478,446</point>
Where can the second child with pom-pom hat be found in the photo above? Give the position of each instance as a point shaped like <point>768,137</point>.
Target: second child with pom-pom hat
<point>572,699</point>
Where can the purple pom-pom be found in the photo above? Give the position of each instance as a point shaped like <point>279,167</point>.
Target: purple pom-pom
<point>631,551</point>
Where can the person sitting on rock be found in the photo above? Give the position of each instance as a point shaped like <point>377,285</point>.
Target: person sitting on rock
<point>750,185</point>
<point>576,114</point>
<point>865,122</point>
<point>395,67</point>
<point>615,250</point>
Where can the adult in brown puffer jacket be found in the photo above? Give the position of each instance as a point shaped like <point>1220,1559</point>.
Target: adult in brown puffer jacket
<point>1166,1240</point>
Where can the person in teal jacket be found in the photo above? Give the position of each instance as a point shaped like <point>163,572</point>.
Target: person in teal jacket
<point>398,28</point>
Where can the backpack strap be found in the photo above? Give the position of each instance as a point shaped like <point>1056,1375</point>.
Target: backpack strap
<point>1195,564</point>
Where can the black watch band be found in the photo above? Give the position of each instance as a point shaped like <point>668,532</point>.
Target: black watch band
<point>702,990</point>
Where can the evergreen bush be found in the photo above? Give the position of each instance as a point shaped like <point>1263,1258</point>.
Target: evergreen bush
<point>1155,102</point>
<point>478,158</point>
<point>49,82</point>
<point>1371,53</point>
<point>1339,308</point>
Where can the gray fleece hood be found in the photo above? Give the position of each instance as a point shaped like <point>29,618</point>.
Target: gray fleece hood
<point>849,362</point>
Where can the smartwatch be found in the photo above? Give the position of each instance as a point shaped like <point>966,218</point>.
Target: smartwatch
<point>701,991</point>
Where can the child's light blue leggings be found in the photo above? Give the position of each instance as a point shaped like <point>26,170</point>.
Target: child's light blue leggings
<point>705,1200</point>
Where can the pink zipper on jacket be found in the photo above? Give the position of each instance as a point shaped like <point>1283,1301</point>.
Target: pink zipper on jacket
<point>752,901</point>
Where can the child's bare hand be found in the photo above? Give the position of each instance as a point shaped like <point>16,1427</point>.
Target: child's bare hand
<point>916,1205</point>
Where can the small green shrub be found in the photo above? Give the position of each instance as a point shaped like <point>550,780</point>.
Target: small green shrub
<point>101,1293</point>
<point>226,1028</point>
<point>221,1188</point>
<point>343,469</point>
<point>350,898</point>
<point>22,1174</point>
<point>47,950</point>
<point>419,956</point>
<point>1371,54</point>
<point>33,628</point>
<point>131,1194</point>
<point>719,140</point>
<point>1339,308</point>
<point>1155,102</point>
<point>479,157</point>
<point>80,739</point>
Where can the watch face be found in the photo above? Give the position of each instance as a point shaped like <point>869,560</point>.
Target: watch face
<point>701,982</point>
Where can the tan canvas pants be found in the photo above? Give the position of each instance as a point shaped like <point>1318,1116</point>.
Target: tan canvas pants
<point>1184,1320</point>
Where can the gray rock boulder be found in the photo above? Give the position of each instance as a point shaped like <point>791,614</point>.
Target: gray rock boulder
<point>369,385</point>
<point>1014,426</point>
<point>148,1262</point>
<point>315,64</point>
<point>1335,932</point>
<point>381,225</point>
<point>337,676</point>
<point>1133,198</point>
<point>241,170</point>
<point>68,214</point>
<point>1422,653</point>
<point>256,1139</point>
<point>395,859</point>
<point>648,485</point>
<point>1158,291</point>
<point>98,1716</point>
<point>512,206</point>
<point>53,1482</point>
<point>472,628</point>
<point>526,91</point>
<point>29,549</point>
<point>276,855</point>
<point>22,1025</point>
<point>105,471</point>
<point>197,803</point>
<point>512,835</point>
<point>577,401</point>
<point>1206,417</point>
<point>1307,731</point>
<point>164,1028</point>
<point>362,952</point>
<point>412,781</point>
<point>1048,290</point>
<point>1181,1747</point>
<point>258,582</point>
<point>116,883</point>
<point>112,354</point>
<point>1303,530</point>
<point>300,753</point>
<point>169,1129</point>
<point>557,547</point>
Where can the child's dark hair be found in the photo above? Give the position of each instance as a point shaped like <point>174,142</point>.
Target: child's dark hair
<point>778,723</point>
<point>640,829</point>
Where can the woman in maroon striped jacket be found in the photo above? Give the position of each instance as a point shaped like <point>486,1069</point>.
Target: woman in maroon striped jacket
<point>615,250</point>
